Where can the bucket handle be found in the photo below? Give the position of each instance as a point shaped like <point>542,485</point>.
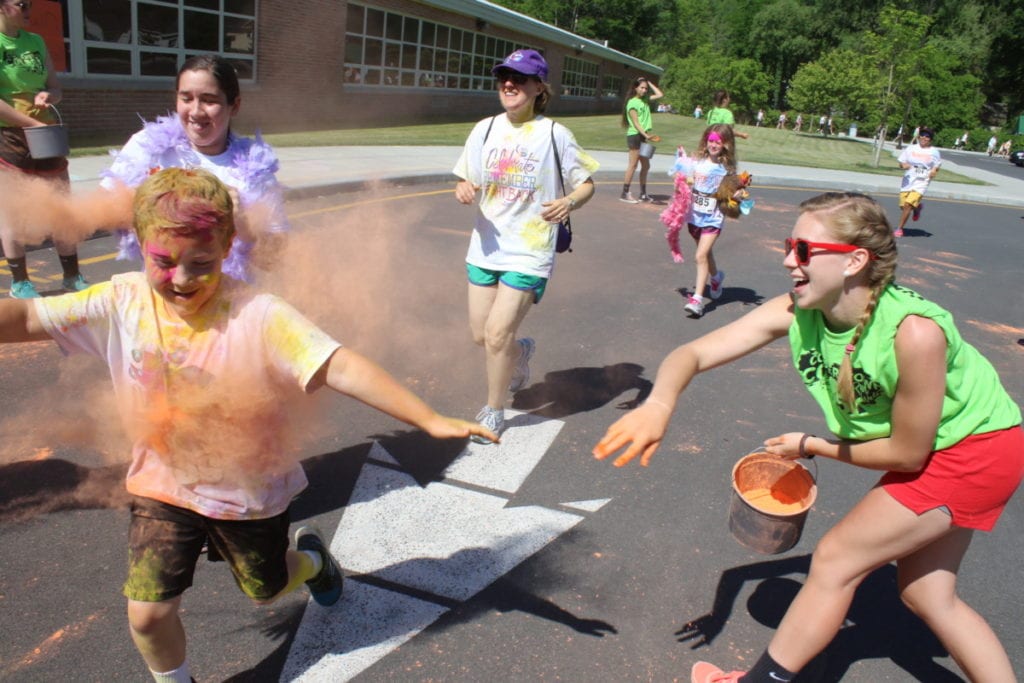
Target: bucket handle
<point>60,119</point>
<point>813,461</point>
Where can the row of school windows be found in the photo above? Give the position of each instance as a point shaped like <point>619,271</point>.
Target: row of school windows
<point>152,38</point>
<point>389,49</point>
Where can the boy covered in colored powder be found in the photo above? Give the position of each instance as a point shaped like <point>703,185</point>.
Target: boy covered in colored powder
<point>184,344</point>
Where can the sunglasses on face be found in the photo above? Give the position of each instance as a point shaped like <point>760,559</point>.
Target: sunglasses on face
<point>513,76</point>
<point>803,249</point>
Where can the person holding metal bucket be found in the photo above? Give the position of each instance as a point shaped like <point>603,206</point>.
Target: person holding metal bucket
<point>636,119</point>
<point>904,394</point>
<point>29,89</point>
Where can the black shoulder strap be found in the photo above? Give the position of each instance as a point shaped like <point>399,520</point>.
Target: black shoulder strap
<point>488,133</point>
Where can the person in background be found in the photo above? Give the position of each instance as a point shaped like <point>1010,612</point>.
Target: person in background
<point>904,394</point>
<point>992,142</point>
<point>29,90</point>
<point>720,113</point>
<point>199,135</point>
<point>530,174</point>
<point>698,111</point>
<point>636,119</point>
<point>920,163</point>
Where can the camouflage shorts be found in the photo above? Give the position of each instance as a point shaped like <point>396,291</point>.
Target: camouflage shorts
<point>165,541</point>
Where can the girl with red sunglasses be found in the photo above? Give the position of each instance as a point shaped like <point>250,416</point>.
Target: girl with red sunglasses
<point>904,394</point>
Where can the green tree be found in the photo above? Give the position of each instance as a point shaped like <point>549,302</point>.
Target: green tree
<point>694,79</point>
<point>780,40</point>
<point>842,82</point>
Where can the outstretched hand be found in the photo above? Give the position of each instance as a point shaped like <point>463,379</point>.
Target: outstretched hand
<point>642,429</point>
<point>442,427</point>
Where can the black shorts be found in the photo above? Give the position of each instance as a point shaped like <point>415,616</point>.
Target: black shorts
<point>633,141</point>
<point>165,541</point>
<point>14,155</point>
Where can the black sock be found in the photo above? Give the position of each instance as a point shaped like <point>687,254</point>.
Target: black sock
<point>19,270</point>
<point>625,188</point>
<point>69,264</point>
<point>643,190</point>
<point>767,670</point>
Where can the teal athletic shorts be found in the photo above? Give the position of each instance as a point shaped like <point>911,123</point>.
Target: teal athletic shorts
<point>482,277</point>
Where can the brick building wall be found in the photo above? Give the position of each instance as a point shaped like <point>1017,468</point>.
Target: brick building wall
<point>299,83</point>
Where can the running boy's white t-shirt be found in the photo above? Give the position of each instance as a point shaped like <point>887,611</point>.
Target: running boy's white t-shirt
<point>922,160</point>
<point>204,402</point>
<point>516,171</point>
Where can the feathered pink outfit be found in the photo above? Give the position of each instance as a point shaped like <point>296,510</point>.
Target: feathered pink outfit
<point>678,212</point>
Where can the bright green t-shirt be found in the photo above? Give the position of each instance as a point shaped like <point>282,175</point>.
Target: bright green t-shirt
<point>23,72</point>
<point>720,115</point>
<point>975,401</point>
<point>643,115</point>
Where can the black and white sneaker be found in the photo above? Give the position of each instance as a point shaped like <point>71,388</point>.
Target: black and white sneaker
<point>325,586</point>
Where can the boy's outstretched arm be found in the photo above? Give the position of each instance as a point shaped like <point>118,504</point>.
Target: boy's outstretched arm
<point>355,375</point>
<point>19,322</point>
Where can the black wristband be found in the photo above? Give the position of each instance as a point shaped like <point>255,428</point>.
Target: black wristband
<point>803,446</point>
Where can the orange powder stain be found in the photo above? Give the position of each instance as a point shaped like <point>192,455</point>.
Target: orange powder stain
<point>773,501</point>
<point>42,453</point>
<point>997,328</point>
<point>50,644</point>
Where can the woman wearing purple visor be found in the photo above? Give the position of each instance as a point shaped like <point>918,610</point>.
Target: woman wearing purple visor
<point>531,174</point>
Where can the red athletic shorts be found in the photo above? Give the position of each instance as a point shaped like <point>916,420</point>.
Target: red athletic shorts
<point>974,479</point>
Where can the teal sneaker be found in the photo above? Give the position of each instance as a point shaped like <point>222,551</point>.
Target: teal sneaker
<point>75,284</point>
<point>24,290</point>
<point>325,587</point>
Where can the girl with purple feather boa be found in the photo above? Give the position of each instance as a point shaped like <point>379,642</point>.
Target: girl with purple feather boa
<point>199,136</point>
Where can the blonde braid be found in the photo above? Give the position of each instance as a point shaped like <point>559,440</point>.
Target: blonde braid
<point>844,383</point>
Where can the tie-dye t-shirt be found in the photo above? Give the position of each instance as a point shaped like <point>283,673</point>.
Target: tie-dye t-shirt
<point>516,171</point>
<point>204,402</point>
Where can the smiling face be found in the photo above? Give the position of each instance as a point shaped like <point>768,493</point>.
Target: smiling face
<point>204,111</point>
<point>518,93</point>
<point>819,283</point>
<point>184,267</point>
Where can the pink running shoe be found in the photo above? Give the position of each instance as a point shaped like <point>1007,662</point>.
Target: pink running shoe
<point>704,672</point>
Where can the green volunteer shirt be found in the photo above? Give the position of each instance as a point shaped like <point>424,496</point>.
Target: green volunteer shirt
<point>975,401</point>
<point>720,115</point>
<point>643,115</point>
<point>22,71</point>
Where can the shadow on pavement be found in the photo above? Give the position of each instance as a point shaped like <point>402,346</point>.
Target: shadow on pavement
<point>878,625</point>
<point>29,488</point>
<point>578,390</point>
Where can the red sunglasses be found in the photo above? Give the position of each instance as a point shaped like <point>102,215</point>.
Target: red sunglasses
<point>804,253</point>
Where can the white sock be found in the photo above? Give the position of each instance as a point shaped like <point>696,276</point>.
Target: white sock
<point>179,675</point>
<point>318,561</point>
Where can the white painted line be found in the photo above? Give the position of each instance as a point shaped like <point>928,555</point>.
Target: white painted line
<point>337,643</point>
<point>587,505</point>
<point>505,466</point>
<point>443,539</point>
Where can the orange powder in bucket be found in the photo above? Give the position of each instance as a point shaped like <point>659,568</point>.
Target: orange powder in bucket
<point>784,497</point>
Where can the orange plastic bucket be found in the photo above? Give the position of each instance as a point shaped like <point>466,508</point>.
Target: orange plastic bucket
<point>770,501</point>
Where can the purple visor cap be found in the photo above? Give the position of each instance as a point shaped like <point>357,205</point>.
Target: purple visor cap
<point>526,62</point>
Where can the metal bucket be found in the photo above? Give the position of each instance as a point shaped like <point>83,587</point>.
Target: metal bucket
<point>646,150</point>
<point>47,142</point>
<point>770,501</point>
